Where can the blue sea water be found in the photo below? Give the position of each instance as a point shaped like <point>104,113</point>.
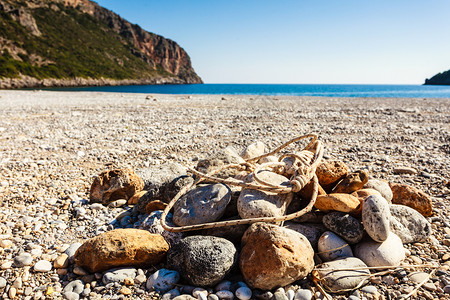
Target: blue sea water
<point>322,90</point>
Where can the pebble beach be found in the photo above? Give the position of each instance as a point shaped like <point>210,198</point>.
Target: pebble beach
<point>53,144</point>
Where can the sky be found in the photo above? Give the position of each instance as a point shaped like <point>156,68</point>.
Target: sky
<point>299,41</point>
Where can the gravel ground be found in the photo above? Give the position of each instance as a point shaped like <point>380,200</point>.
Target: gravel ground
<point>52,144</point>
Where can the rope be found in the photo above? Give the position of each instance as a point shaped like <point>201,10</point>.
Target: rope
<point>303,174</point>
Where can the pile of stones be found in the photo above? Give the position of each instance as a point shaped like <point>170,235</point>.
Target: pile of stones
<point>358,224</point>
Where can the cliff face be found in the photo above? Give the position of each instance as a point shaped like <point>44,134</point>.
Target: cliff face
<point>78,42</point>
<point>439,79</point>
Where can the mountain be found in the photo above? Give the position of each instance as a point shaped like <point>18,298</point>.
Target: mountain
<point>439,79</point>
<point>78,42</point>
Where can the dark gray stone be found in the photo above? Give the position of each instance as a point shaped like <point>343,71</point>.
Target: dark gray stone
<point>344,225</point>
<point>311,231</point>
<point>409,224</point>
<point>202,260</point>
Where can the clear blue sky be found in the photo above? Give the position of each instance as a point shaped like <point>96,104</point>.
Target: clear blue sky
<point>299,41</point>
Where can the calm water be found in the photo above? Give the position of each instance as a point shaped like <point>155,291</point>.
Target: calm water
<point>325,90</point>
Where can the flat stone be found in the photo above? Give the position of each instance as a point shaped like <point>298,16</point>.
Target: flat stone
<point>344,225</point>
<point>274,256</point>
<point>303,294</point>
<point>330,241</point>
<point>337,276</point>
<point>119,275</point>
<point>362,194</point>
<point>418,277</point>
<point>162,280</point>
<point>202,205</point>
<point>410,196</point>
<point>409,224</point>
<point>23,259</point>
<point>42,266</point>
<point>338,202</point>
<point>404,170</point>
<point>381,186</point>
<point>375,217</point>
<point>370,289</point>
<point>202,260</point>
<point>375,254</point>
<point>225,295</point>
<point>352,182</point>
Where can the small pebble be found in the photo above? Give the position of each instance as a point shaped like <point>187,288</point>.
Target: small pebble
<point>243,293</point>
<point>225,295</point>
<point>369,289</point>
<point>303,294</point>
<point>43,266</point>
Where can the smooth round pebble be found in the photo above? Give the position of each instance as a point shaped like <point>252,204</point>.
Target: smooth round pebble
<point>369,289</point>
<point>23,259</point>
<point>198,291</point>
<point>171,294</point>
<point>212,297</point>
<point>329,241</point>
<point>2,282</point>
<point>71,250</point>
<point>202,296</point>
<point>447,289</point>
<point>162,280</point>
<point>223,286</point>
<point>290,294</point>
<point>303,294</point>
<point>225,295</point>
<point>43,266</point>
<point>375,217</point>
<point>243,293</point>
<point>75,286</point>
<point>71,296</point>
<point>388,253</point>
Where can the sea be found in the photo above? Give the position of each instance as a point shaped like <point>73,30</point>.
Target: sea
<point>318,90</point>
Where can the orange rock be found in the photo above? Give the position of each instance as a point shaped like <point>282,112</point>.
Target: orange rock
<point>330,172</point>
<point>338,202</point>
<point>155,205</point>
<point>135,198</point>
<point>274,256</point>
<point>361,194</point>
<point>410,196</point>
<point>352,182</point>
<point>306,192</point>
<point>115,184</point>
<point>121,247</point>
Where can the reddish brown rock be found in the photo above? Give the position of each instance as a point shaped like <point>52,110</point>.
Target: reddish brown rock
<point>361,194</point>
<point>352,182</point>
<point>410,196</point>
<point>119,248</point>
<point>306,192</point>
<point>274,256</point>
<point>338,202</point>
<point>330,173</point>
<point>115,184</point>
<point>155,205</point>
<point>135,198</point>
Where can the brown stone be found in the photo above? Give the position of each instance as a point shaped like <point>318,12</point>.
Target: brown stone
<point>338,202</point>
<point>115,184</point>
<point>274,256</point>
<point>121,247</point>
<point>410,196</point>
<point>352,182</point>
<point>306,192</point>
<point>330,173</point>
<point>135,198</point>
<point>155,205</point>
<point>361,194</point>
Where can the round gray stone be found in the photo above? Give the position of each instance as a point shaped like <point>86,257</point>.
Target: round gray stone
<point>409,224</point>
<point>382,187</point>
<point>162,280</point>
<point>303,294</point>
<point>344,225</point>
<point>118,275</point>
<point>375,254</point>
<point>331,247</point>
<point>202,260</point>
<point>203,204</point>
<point>23,259</point>
<point>375,217</point>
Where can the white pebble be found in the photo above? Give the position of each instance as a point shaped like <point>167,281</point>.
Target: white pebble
<point>243,293</point>
<point>225,295</point>
<point>198,291</point>
<point>43,266</point>
<point>290,294</point>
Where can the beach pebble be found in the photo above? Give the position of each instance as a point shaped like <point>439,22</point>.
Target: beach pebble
<point>202,260</point>
<point>202,205</point>
<point>409,224</point>
<point>290,294</point>
<point>70,251</point>
<point>303,294</point>
<point>352,182</point>
<point>335,281</point>
<point>23,259</point>
<point>118,275</point>
<point>152,223</point>
<point>171,294</point>
<point>75,286</point>
<point>225,295</point>
<point>370,289</point>
<point>184,297</point>
<point>375,217</point>
<point>265,261</point>
<point>223,286</point>
<point>198,291</point>
<point>117,203</point>
<point>310,231</point>
<point>280,294</point>
<point>381,186</point>
<point>404,170</point>
<point>362,194</point>
<point>344,225</point>
<point>375,254</point>
<point>418,277</point>
<point>255,203</point>
<point>243,293</point>
<point>212,297</point>
<point>2,282</point>
<point>329,241</point>
<point>62,261</point>
<point>253,150</point>
<point>162,280</point>
<point>330,173</point>
<point>410,196</point>
<point>42,266</point>
<point>338,202</point>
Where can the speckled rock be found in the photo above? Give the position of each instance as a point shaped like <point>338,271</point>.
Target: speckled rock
<point>375,254</point>
<point>152,223</point>
<point>344,225</point>
<point>118,275</point>
<point>375,217</point>
<point>115,184</point>
<point>338,202</point>
<point>311,231</point>
<point>255,203</point>
<point>409,224</point>
<point>121,247</point>
<point>332,247</point>
<point>203,204</point>
<point>352,182</point>
<point>381,186</point>
<point>335,280</point>
<point>162,280</point>
<point>202,260</point>
<point>330,173</point>
<point>274,256</point>
<point>410,196</point>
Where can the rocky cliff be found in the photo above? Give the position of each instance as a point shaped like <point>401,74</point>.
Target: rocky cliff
<point>78,42</point>
<point>439,79</point>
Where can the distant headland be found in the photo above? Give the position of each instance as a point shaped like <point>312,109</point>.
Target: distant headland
<point>439,79</point>
<point>79,43</point>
